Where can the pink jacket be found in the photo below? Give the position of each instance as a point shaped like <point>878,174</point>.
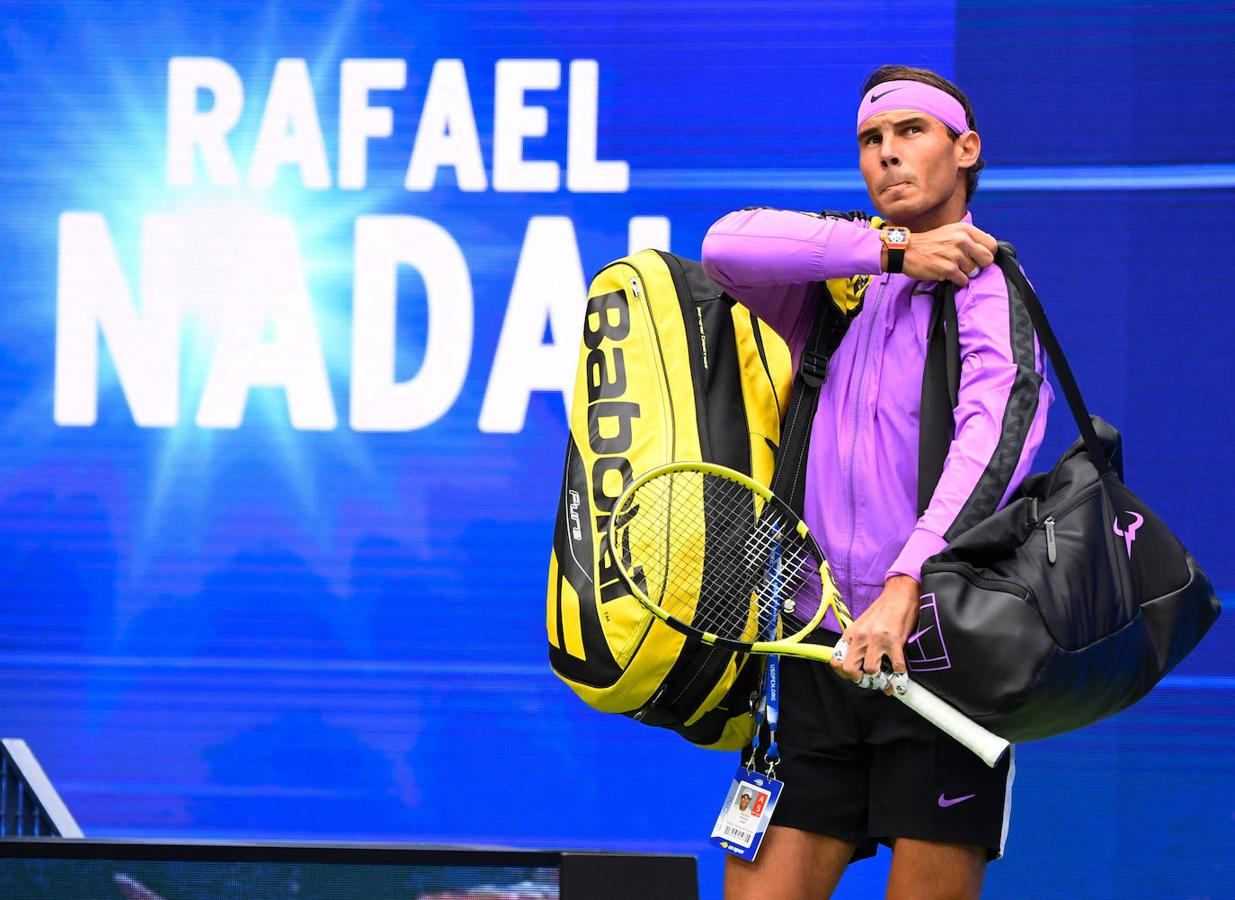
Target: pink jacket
<point>862,468</point>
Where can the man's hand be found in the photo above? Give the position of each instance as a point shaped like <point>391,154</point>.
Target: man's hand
<point>881,631</point>
<point>952,253</point>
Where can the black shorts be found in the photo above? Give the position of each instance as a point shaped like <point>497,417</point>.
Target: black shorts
<point>862,767</point>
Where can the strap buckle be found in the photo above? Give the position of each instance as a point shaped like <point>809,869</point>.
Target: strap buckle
<point>814,367</point>
<point>817,353</point>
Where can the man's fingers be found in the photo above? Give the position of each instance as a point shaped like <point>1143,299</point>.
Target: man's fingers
<point>898,683</point>
<point>974,251</point>
<point>978,236</point>
<point>981,251</point>
<point>898,660</point>
<point>982,255</point>
<point>974,255</point>
<point>898,676</point>
<point>846,662</point>
<point>854,662</point>
<point>838,654</point>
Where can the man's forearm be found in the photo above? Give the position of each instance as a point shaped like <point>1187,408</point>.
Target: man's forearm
<point>755,248</point>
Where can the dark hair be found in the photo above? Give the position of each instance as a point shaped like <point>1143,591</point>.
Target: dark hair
<point>934,79</point>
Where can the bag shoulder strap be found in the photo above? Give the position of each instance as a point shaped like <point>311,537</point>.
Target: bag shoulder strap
<point>940,392</point>
<point>1006,261</point>
<point>829,327</point>
<point>940,376</point>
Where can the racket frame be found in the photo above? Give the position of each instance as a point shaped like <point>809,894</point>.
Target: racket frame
<point>987,745</point>
<point>830,596</point>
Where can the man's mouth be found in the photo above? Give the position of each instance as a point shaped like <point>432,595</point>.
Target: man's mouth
<point>894,184</point>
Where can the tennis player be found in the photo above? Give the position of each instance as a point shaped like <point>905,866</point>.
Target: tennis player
<point>858,769</point>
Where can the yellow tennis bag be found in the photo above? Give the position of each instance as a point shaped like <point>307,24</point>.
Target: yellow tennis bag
<point>671,368</point>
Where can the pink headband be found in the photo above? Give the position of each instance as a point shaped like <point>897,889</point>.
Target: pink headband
<point>913,95</point>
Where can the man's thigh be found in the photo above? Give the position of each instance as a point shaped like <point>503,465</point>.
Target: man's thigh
<point>925,870</point>
<point>792,865</point>
<point>824,764</point>
<point>927,787</point>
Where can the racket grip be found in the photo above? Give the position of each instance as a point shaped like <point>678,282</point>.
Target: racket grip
<point>989,747</point>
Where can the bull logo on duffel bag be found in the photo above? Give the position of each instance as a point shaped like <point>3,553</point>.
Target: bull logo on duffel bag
<point>1130,535</point>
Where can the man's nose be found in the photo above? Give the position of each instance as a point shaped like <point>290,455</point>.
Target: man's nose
<point>887,155</point>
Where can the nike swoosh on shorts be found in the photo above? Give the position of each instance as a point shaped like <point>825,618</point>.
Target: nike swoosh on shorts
<point>945,802</point>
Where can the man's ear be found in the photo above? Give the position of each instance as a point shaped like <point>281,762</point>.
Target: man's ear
<point>968,148</point>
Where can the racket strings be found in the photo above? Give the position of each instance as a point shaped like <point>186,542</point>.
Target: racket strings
<point>715,555</point>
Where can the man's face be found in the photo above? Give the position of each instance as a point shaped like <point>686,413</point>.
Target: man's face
<point>910,163</point>
<point>745,802</point>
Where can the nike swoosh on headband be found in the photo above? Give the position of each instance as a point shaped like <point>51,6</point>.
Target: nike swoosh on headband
<point>916,95</point>
<point>875,97</point>
<point>945,802</point>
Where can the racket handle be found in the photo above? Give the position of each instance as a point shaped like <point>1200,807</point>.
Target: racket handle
<point>989,747</point>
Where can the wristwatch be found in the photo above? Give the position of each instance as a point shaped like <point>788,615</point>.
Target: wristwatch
<point>896,239</point>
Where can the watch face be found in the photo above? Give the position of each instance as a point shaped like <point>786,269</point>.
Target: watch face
<point>896,236</point>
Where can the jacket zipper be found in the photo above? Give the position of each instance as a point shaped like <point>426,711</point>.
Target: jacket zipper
<point>853,443</point>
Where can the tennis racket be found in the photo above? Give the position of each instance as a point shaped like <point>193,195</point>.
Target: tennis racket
<point>719,557</point>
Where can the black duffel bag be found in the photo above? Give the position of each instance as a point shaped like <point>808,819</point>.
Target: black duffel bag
<point>1071,602</point>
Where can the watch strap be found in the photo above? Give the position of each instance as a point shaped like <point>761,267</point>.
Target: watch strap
<point>895,246</point>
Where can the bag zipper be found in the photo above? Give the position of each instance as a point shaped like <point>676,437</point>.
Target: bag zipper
<point>696,351</point>
<point>647,707</point>
<point>763,358</point>
<point>668,416</point>
<point>970,574</point>
<point>1052,551</point>
<point>1049,523</point>
<point>668,423</point>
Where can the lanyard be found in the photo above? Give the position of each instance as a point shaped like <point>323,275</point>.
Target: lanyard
<point>770,705</point>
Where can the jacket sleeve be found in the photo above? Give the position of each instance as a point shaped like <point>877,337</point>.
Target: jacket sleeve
<point>1000,418</point>
<point>768,258</point>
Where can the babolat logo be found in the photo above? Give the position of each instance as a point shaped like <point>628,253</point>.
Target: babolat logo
<point>609,417</point>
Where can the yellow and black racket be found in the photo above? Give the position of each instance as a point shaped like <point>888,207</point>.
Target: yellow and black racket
<point>719,557</point>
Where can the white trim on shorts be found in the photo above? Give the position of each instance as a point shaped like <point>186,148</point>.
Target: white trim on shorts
<point>1007,800</point>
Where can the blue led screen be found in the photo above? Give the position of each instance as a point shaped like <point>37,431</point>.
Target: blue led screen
<point>291,296</point>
